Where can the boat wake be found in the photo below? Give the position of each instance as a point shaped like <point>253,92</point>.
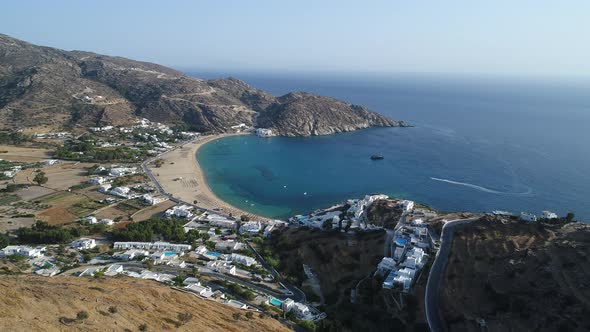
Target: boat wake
<point>480,188</point>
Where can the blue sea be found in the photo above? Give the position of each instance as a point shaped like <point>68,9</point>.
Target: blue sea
<point>478,144</point>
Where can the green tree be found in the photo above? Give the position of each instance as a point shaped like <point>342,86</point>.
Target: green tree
<point>244,218</point>
<point>570,217</point>
<point>4,240</point>
<point>236,315</point>
<point>40,178</point>
<point>249,315</point>
<point>178,280</point>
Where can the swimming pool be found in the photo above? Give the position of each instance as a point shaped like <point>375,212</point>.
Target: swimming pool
<point>169,253</point>
<point>213,253</point>
<point>275,302</point>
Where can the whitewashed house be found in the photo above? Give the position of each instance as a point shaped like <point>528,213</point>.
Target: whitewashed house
<point>248,261</point>
<point>84,243</point>
<point>251,227</point>
<point>264,132</point>
<point>549,215</point>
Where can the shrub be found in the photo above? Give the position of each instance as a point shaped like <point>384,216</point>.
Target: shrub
<point>82,315</point>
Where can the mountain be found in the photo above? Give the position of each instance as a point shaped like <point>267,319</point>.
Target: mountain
<point>44,88</point>
<point>33,303</point>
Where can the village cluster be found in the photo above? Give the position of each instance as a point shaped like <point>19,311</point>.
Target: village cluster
<point>411,237</point>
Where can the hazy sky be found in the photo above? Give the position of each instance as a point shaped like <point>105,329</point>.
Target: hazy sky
<point>504,37</point>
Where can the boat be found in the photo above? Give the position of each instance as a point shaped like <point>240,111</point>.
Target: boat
<point>376,157</point>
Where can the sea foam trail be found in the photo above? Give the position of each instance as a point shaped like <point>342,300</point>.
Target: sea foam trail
<point>480,188</point>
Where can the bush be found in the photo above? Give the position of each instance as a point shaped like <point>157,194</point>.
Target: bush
<point>236,315</point>
<point>184,318</point>
<point>249,315</point>
<point>113,310</point>
<point>82,315</point>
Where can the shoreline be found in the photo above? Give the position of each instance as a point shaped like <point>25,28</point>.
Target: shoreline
<point>186,180</point>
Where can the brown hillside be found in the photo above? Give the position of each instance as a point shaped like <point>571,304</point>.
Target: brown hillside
<point>518,277</point>
<point>31,303</point>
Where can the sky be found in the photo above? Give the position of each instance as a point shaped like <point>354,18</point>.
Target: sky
<point>500,37</point>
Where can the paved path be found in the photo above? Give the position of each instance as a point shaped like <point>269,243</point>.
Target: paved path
<point>435,278</point>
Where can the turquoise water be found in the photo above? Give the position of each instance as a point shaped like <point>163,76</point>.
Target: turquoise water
<point>275,302</point>
<point>169,253</point>
<point>476,146</point>
<point>213,253</point>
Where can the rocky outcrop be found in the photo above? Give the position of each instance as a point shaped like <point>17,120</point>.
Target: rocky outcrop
<point>305,114</point>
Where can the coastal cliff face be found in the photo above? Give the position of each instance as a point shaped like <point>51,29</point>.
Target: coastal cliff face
<point>45,89</point>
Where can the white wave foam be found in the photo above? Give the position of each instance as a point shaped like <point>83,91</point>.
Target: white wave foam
<point>480,188</point>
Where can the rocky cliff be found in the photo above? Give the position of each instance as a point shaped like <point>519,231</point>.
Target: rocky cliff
<point>49,89</point>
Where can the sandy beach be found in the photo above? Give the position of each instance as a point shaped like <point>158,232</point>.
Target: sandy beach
<point>181,176</point>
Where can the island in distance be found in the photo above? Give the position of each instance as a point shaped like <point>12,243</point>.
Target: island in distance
<point>43,88</point>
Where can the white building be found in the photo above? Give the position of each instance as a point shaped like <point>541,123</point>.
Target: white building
<point>251,227</point>
<point>288,305</point>
<point>415,259</point>
<point>106,221</point>
<point>549,215</point>
<point>388,283</point>
<point>161,277</point>
<point>218,220</point>
<point>263,132</point>
<point>237,304</point>
<point>528,216</point>
<point>123,192</point>
<point>114,270</point>
<point>50,162</point>
<point>386,264</point>
<point>222,267</point>
<point>22,250</point>
<point>229,245</point>
<point>153,246</point>
<point>248,261</point>
<point>203,291</point>
<point>9,174</point>
<point>84,243</point>
<point>151,200</point>
<point>180,211</point>
<point>191,281</point>
<point>97,180</point>
<point>91,220</point>
<point>405,277</point>
<point>358,209</point>
<point>122,171</point>
<point>132,254</point>
<point>407,206</point>
<point>301,310</point>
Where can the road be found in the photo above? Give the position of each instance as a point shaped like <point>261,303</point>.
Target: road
<point>298,294</point>
<point>207,272</point>
<point>435,278</point>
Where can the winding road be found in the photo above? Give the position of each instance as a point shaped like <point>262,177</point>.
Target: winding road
<point>435,278</point>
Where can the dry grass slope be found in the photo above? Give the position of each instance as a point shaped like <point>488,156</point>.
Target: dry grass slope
<point>30,303</point>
